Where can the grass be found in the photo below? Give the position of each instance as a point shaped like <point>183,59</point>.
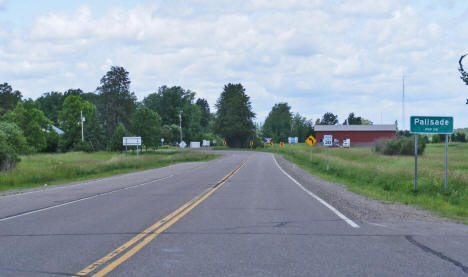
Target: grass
<point>390,178</point>
<point>39,169</point>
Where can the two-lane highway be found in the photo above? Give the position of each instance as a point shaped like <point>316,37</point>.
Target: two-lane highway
<point>240,215</point>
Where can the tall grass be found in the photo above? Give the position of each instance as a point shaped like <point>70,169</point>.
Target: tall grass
<point>391,177</point>
<point>40,169</point>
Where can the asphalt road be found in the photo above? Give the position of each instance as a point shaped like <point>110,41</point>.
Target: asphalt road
<point>240,215</point>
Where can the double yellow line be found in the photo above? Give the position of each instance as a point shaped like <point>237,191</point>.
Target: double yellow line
<point>139,241</point>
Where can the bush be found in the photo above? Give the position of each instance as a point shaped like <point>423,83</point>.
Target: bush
<point>82,146</point>
<point>399,146</point>
<point>12,143</point>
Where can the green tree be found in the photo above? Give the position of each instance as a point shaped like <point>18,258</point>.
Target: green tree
<point>356,120</point>
<point>115,103</point>
<point>50,104</point>
<point>234,116</point>
<point>70,120</point>
<point>32,122</point>
<point>147,125</point>
<point>8,98</point>
<point>12,143</point>
<point>115,143</point>
<point>353,120</point>
<point>301,127</point>
<point>278,123</point>
<point>191,118</point>
<point>170,133</point>
<point>205,113</point>
<point>94,132</point>
<point>168,102</point>
<point>329,119</point>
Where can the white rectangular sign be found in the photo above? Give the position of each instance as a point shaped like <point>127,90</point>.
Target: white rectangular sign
<point>328,140</point>
<point>131,141</point>
<point>194,144</point>
<point>206,143</point>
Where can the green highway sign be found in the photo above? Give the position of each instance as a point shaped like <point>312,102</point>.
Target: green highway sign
<point>431,124</point>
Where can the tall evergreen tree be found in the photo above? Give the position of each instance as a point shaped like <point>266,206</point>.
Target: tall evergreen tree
<point>205,112</point>
<point>234,116</point>
<point>116,103</point>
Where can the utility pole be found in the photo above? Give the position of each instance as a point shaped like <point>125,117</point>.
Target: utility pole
<point>81,120</point>
<point>403,125</point>
<point>180,125</point>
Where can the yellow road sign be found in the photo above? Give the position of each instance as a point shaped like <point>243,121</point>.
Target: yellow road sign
<point>310,141</point>
<point>271,143</point>
<point>281,143</point>
<point>251,143</point>
<point>224,142</point>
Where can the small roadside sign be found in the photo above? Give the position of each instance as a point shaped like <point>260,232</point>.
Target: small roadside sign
<point>271,143</point>
<point>182,144</point>
<point>251,143</point>
<point>281,143</point>
<point>162,140</point>
<point>128,141</point>
<point>328,140</point>
<point>310,141</point>
<point>224,142</point>
<point>431,125</point>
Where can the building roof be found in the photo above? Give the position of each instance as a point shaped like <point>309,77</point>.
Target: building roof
<point>60,132</point>
<point>369,128</point>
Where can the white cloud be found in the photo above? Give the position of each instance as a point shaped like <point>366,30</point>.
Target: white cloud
<point>316,55</point>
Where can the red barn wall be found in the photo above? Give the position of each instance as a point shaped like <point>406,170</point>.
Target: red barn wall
<point>356,136</point>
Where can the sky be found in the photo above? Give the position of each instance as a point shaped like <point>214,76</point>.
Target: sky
<point>319,56</point>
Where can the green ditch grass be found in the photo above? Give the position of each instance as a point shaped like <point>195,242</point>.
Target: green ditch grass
<point>390,178</point>
<point>40,169</point>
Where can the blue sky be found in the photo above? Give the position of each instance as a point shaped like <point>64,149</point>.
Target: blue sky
<point>340,56</point>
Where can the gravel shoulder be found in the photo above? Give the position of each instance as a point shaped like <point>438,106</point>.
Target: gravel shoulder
<point>356,206</point>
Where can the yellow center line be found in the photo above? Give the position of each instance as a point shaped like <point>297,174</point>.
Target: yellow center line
<point>152,232</point>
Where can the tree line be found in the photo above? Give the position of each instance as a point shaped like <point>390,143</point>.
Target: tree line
<point>111,112</point>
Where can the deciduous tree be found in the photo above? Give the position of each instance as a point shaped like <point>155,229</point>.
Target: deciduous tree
<point>8,98</point>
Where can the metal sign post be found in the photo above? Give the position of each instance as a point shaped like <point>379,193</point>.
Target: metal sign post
<point>135,141</point>
<point>446,162</point>
<point>430,125</point>
<point>310,140</point>
<point>415,162</point>
<point>327,142</point>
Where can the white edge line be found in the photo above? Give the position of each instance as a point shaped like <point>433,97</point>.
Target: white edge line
<point>85,198</point>
<point>333,209</point>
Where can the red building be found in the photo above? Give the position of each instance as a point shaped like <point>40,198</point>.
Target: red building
<point>360,135</point>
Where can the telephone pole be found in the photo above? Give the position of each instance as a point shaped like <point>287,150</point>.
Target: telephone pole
<point>180,125</point>
<point>81,120</point>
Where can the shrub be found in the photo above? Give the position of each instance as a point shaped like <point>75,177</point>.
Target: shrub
<point>399,146</point>
<point>83,146</point>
